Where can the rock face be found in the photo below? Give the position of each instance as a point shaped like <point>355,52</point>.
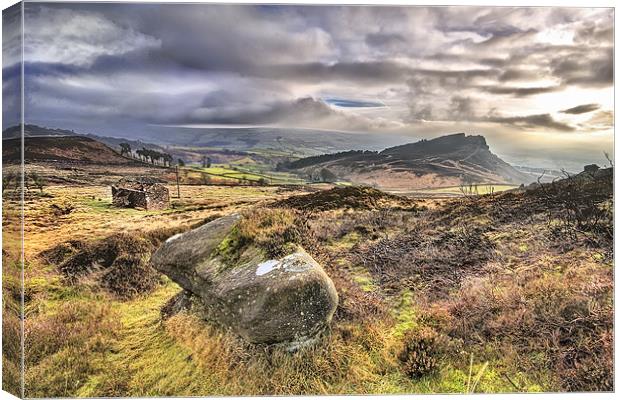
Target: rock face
<point>289,300</point>
<point>140,193</point>
<point>591,168</point>
<point>449,160</point>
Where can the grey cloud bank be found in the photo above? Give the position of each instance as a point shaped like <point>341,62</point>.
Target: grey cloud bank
<point>527,78</point>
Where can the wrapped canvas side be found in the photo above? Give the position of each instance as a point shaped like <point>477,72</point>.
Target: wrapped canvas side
<point>12,202</point>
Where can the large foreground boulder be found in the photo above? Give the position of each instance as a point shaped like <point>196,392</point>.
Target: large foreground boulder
<point>289,299</point>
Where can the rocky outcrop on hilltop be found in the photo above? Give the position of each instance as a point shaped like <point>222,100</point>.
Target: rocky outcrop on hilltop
<point>444,161</point>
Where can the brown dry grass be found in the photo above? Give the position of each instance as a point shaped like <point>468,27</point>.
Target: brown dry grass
<point>486,275</point>
<point>558,320</point>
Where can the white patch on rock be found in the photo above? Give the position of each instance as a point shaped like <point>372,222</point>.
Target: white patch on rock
<point>266,267</point>
<point>175,237</point>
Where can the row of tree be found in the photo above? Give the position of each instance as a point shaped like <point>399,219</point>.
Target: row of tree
<point>149,155</point>
<point>154,156</point>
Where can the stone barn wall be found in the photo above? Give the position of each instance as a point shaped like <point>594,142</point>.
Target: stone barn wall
<point>157,197</point>
<point>142,193</point>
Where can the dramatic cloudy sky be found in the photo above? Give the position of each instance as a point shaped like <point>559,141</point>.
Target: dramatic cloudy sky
<point>537,82</point>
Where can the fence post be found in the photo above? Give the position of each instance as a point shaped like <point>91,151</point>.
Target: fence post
<point>178,188</point>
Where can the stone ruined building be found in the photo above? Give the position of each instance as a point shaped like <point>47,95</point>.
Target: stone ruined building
<point>145,193</point>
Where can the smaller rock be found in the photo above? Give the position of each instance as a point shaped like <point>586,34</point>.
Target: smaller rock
<point>179,302</point>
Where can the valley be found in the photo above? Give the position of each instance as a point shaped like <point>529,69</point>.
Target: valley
<point>443,252</point>
<point>439,165</point>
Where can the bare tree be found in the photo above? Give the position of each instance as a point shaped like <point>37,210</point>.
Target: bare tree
<point>125,149</point>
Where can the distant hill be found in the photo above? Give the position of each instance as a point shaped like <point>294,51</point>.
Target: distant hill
<point>274,141</point>
<point>224,145</point>
<point>74,149</point>
<point>544,174</point>
<point>445,161</point>
<point>269,141</point>
<point>35,130</point>
<point>41,131</point>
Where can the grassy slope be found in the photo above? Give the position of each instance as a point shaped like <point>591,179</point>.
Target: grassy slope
<point>85,342</point>
<point>253,174</point>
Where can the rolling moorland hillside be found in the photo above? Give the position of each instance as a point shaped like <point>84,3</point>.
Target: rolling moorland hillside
<point>61,156</point>
<point>279,151</point>
<point>449,160</point>
<point>506,292</point>
<point>66,149</point>
<point>188,154</point>
<point>498,292</point>
<point>193,143</point>
<point>439,166</point>
<point>291,141</point>
<point>263,146</point>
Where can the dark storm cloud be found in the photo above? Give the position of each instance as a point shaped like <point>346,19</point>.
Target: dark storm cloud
<point>519,91</point>
<point>594,33</point>
<point>597,70</point>
<point>582,109</point>
<point>229,38</point>
<point>301,109</point>
<point>513,74</point>
<point>462,108</point>
<point>532,122</point>
<point>600,120</point>
<point>465,109</point>
<point>494,61</point>
<point>228,64</point>
<point>378,71</point>
<point>302,112</point>
<point>385,39</point>
<point>11,71</point>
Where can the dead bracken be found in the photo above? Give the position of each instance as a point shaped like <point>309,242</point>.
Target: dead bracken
<point>519,284</point>
<point>354,197</point>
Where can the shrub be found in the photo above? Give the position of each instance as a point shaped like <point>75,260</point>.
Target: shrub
<point>437,257</point>
<point>11,350</point>
<point>120,260</point>
<point>101,254</point>
<point>37,181</point>
<point>130,275</point>
<point>580,208</point>
<point>354,197</point>
<point>555,322</point>
<point>422,352</point>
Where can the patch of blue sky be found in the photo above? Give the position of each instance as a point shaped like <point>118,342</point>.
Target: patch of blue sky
<point>348,103</point>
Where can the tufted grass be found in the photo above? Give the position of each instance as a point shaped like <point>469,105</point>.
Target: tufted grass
<point>502,312</point>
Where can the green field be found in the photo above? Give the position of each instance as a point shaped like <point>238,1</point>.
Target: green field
<point>250,174</point>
